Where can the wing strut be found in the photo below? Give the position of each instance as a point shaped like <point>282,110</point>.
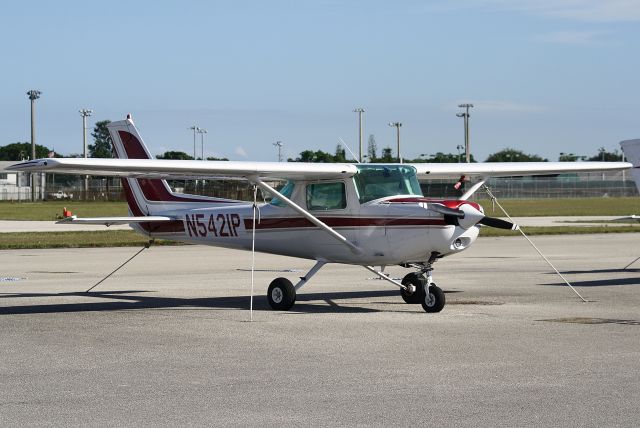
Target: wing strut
<point>306,214</point>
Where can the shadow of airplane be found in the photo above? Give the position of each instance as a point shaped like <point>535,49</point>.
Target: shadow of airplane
<point>136,299</point>
<point>613,270</point>
<point>601,282</point>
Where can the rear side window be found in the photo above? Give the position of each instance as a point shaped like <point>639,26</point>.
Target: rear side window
<point>326,196</point>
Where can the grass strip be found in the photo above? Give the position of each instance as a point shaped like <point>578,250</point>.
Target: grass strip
<point>84,239</point>
<point>560,230</point>
<point>52,210</point>
<point>563,207</point>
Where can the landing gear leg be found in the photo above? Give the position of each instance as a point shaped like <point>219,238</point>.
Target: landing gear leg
<point>282,293</point>
<point>424,290</point>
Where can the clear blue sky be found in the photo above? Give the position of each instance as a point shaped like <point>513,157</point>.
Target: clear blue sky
<point>545,75</point>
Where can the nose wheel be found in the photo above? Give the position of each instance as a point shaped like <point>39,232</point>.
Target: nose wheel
<point>433,299</point>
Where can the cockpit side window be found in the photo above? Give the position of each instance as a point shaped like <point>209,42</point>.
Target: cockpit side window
<point>379,181</point>
<point>326,196</point>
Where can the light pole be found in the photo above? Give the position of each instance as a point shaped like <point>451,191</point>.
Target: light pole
<point>85,113</point>
<point>359,110</point>
<point>279,145</point>
<point>459,147</point>
<point>33,96</point>
<point>202,131</point>
<point>195,129</point>
<point>397,125</point>
<point>466,116</point>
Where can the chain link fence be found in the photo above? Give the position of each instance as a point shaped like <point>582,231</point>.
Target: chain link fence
<point>581,185</point>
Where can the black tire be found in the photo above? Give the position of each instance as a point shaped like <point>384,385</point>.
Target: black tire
<point>417,281</point>
<point>281,294</point>
<point>433,300</point>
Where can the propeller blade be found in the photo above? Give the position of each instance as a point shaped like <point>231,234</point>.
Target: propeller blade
<point>441,209</point>
<point>498,223</point>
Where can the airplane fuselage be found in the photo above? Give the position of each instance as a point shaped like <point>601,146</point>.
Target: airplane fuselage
<point>388,232</point>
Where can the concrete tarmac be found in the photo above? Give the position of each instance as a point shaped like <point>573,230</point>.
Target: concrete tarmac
<point>167,340</point>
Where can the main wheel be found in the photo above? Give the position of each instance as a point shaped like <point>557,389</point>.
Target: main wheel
<point>281,294</point>
<point>418,282</point>
<point>433,299</point>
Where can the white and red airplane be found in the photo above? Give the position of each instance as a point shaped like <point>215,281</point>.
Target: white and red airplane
<point>361,214</point>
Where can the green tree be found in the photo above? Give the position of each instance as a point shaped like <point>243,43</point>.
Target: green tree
<point>102,146</point>
<point>174,155</point>
<point>439,157</point>
<point>19,151</point>
<point>605,156</point>
<point>387,156</point>
<point>341,154</point>
<point>310,156</point>
<point>513,155</point>
<point>372,149</point>
<point>569,157</point>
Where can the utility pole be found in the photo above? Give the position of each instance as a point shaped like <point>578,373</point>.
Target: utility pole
<point>359,110</point>
<point>466,116</point>
<point>85,113</point>
<point>397,125</point>
<point>33,96</point>
<point>195,129</point>
<point>202,131</point>
<point>279,145</point>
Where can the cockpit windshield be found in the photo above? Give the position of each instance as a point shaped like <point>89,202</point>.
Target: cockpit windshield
<point>374,181</point>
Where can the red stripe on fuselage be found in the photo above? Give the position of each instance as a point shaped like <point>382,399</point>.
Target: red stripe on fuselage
<point>301,222</point>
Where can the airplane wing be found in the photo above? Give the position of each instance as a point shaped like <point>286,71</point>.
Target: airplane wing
<point>109,221</point>
<point>188,169</point>
<point>510,169</point>
<point>194,169</point>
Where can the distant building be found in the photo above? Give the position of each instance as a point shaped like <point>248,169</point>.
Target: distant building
<point>14,186</point>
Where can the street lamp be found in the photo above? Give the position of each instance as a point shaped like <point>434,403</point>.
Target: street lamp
<point>279,145</point>
<point>397,125</point>
<point>195,129</point>
<point>459,147</point>
<point>359,110</point>
<point>202,131</point>
<point>33,96</point>
<point>85,113</point>
<point>466,116</point>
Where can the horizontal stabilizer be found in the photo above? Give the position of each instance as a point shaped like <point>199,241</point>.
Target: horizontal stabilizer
<point>108,221</point>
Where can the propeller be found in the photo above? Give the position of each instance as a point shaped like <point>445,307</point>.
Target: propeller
<point>499,223</point>
<point>467,216</point>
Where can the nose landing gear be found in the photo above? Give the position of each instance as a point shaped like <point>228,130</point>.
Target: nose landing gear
<point>420,288</point>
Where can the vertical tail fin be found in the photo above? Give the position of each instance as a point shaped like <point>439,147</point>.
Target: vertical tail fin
<point>631,150</point>
<point>148,196</point>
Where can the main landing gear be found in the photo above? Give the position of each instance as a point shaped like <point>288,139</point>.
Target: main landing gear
<point>282,293</point>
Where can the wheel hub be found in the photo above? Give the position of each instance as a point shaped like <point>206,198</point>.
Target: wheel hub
<point>277,295</point>
<point>430,299</point>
